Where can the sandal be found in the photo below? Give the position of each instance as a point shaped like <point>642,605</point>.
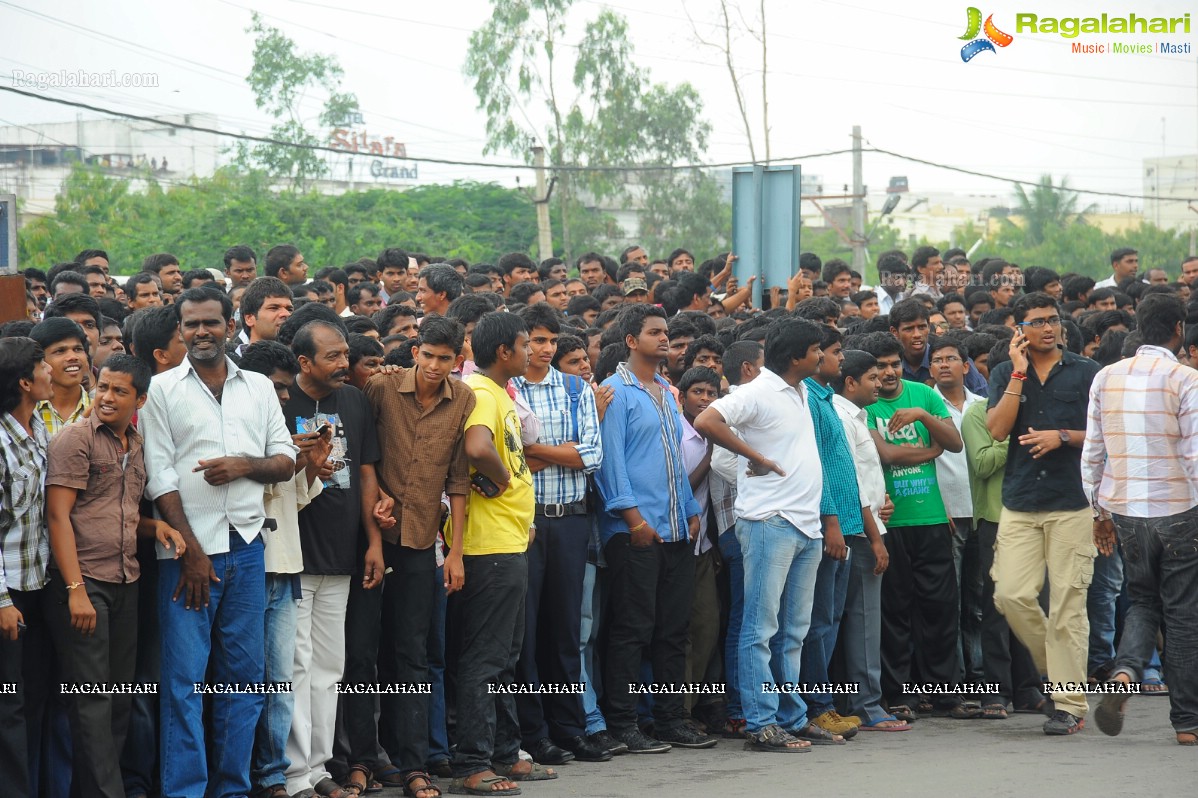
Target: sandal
<point>817,736</point>
<point>895,725</point>
<point>441,768</point>
<point>1157,686</point>
<point>414,791</point>
<point>902,712</point>
<point>516,772</point>
<point>327,788</point>
<point>774,740</point>
<point>994,711</point>
<point>925,707</point>
<point>1187,738</point>
<point>391,777</point>
<point>273,791</point>
<point>484,786</point>
<point>353,785</point>
<point>1109,713</point>
<point>960,712</point>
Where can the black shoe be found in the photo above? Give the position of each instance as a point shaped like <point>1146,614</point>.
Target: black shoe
<point>638,743</point>
<point>546,753</point>
<point>685,735</point>
<point>1062,723</point>
<point>603,739</point>
<point>586,751</point>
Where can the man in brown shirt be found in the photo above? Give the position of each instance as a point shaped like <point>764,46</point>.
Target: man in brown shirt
<point>421,414</point>
<point>95,477</point>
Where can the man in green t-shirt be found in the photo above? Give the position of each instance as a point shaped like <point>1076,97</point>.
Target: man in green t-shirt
<point>911,427</point>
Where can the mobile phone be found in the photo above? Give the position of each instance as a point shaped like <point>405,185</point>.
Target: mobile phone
<point>323,428</point>
<point>485,484</point>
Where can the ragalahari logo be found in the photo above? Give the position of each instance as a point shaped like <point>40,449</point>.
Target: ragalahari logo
<point>986,44</point>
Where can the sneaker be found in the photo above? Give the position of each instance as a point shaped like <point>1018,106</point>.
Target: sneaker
<point>1062,723</point>
<point>853,719</point>
<point>604,740</point>
<point>831,722</point>
<point>639,743</point>
<point>685,735</point>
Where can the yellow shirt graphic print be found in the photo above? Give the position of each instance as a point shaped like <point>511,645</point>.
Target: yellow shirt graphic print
<point>499,525</point>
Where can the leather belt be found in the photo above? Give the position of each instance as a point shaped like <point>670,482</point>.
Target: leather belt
<point>561,510</point>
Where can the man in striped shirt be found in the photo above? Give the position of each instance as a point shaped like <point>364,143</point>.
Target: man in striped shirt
<point>567,449</point>
<point>1140,471</point>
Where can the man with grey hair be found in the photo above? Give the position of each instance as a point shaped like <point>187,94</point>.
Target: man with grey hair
<point>439,285</point>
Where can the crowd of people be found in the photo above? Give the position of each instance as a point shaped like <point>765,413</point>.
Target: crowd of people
<point>412,522</point>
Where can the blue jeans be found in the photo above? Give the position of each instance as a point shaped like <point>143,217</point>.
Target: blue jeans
<point>438,736</point>
<point>228,635</point>
<point>831,588</point>
<point>1100,608</point>
<point>588,636</point>
<point>730,550</point>
<point>780,565</point>
<point>270,737</point>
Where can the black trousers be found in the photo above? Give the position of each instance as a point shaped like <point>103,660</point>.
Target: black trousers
<point>920,610</point>
<point>22,712</point>
<point>99,723</point>
<point>649,611</point>
<point>356,740</point>
<point>407,613</point>
<point>557,562</point>
<point>491,611</point>
<point>1005,661</point>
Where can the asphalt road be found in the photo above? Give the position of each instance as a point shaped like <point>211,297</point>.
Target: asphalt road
<point>988,758</point>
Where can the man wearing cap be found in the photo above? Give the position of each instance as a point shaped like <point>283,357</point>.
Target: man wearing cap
<point>636,290</point>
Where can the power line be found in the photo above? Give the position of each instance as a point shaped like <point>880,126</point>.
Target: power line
<point>566,168</point>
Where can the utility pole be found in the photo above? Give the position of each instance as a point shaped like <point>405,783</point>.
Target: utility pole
<point>544,232</point>
<point>858,205</point>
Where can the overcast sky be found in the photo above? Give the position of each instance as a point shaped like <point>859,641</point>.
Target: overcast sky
<point>1030,108</point>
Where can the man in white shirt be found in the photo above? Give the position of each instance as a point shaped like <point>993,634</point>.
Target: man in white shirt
<point>861,626</point>
<point>780,506</point>
<point>949,363</point>
<point>214,437</point>
<point>1125,262</point>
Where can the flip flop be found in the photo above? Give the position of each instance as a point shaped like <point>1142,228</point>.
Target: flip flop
<point>1153,682</point>
<point>458,787</point>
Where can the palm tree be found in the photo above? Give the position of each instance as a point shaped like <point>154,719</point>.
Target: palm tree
<point>1047,206</point>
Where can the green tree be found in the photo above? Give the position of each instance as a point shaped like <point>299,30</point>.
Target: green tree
<point>587,101</point>
<point>281,78</point>
<point>1047,206</point>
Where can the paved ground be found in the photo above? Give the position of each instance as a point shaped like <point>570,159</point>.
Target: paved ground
<point>985,758</point>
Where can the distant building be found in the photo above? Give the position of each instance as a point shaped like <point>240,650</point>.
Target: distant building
<point>1170,182</point>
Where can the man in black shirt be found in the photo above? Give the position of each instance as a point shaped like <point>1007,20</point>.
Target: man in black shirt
<point>1040,396</point>
<point>335,551</point>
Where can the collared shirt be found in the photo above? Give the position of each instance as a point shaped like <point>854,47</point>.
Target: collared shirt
<point>1107,282</point>
<point>53,421</point>
<point>952,468</point>
<point>974,381</point>
<point>694,449</point>
<point>182,423</point>
<point>24,544</point>
<point>559,423</point>
<point>722,483</point>
<point>642,460</point>
<point>1053,482</point>
<point>841,495</point>
<point>871,480</point>
<point>1140,458</point>
<point>773,418</point>
<point>423,452</point>
<point>88,457</point>
<point>987,462</point>
<point>885,301</point>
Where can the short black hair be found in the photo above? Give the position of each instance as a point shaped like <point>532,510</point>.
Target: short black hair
<point>87,254</point>
<point>493,331</point>
<point>70,277</point>
<point>74,303</point>
<point>581,304</point>
<point>1158,316</point>
<point>442,331</point>
<point>1076,286</point>
<point>306,314</point>
<point>708,342</point>
<point>858,298</point>
<point>203,275</point>
<point>880,344</point>
<point>736,355</point>
<point>259,290</point>
<point>50,331</point>
<point>20,328</point>
<point>361,346</point>
<point>354,295</point>
<point>1037,278</point>
<point>136,368</point>
<point>198,295</point>
<point>566,344</point>
<point>541,316</point>
<point>834,268</point>
<point>632,319</point>
<point>267,357</point>
<point>522,292</point>
<point>1036,299</point>
<point>936,342</point>
<point>153,329</point>
<point>907,311</point>
<point>811,262</point>
<point>516,260</point>
<point>789,339</point>
<point>1121,253</point>
<point>18,357</point>
<point>138,279</point>
<point>979,343</point>
<point>690,285</point>
<point>240,252</point>
<point>393,257</point>
<point>469,308</point>
<point>817,308</point>
<point>855,364</point>
<point>155,263</point>
<point>278,258</point>
<point>545,267</point>
<point>698,374</point>
<point>360,324</point>
<point>921,256</point>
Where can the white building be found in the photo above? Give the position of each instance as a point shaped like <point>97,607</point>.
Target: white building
<point>1170,182</point>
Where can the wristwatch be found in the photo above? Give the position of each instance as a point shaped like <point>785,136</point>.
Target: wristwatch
<point>1064,436</point>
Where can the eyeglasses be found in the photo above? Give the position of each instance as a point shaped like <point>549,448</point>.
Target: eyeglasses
<point>941,361</point>
<point>1038,323</point>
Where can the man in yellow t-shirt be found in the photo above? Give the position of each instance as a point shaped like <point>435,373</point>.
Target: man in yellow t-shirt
<point>491,602</point>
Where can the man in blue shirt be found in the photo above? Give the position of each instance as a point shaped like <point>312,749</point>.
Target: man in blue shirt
<point>651,519</point>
